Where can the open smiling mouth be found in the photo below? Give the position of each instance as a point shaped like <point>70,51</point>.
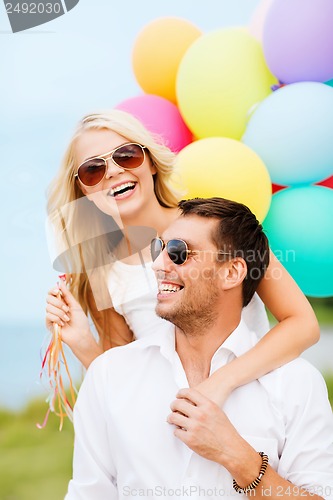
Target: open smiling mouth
<point>168,288</point>
<point>122,189</point>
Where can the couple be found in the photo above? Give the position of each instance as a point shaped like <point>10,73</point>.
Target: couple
<point>273,436</point>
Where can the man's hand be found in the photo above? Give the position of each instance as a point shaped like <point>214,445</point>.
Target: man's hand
<point>206,429</point>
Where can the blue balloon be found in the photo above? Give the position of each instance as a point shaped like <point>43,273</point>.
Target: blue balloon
<point>299,227</point>
<point>291,130</point>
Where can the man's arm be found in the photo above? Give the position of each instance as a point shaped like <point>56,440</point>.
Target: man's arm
<point>93,468</point>
<point>205,428</point>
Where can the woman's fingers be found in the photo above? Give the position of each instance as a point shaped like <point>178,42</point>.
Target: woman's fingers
<point>52,318</point>
<point>54,301</point>
<point>66,294</point>
<point>57,312</point>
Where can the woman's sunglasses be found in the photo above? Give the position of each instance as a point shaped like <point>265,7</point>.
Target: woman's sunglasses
<point>128,156</point>
<point>177,250</point>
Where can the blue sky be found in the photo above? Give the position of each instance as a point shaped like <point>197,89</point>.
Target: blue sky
<point>49,77</point>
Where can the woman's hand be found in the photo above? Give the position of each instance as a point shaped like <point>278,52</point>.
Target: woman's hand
<point>65,311</point>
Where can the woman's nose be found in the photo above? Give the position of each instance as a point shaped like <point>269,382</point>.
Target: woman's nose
<point>112,169</point>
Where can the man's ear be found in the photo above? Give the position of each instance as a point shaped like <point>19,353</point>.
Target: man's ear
<point>235,272</point>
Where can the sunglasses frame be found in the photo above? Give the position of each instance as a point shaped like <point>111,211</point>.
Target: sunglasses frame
<point>109,156</point>
<point>188,251</point>
<point>165,245</point>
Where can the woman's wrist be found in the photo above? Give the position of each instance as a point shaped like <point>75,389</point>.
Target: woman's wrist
<point>87,349</point>
<point>229,376</point>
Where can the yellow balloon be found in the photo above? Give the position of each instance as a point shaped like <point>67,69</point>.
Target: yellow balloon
<point>157,52</point>
<point>219,166</point>
<point>220,78</point>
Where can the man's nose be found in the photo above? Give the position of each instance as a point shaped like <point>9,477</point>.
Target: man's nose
<point>162,262</point>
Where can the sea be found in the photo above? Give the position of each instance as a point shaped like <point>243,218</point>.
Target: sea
<point>22,347</point>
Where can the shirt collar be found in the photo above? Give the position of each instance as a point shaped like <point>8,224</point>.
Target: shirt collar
<point>238,342</point>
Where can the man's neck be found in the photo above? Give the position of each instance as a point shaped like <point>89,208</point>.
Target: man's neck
<point>196,349</point>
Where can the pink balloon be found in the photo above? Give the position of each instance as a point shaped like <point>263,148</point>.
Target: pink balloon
<point>161,117</point>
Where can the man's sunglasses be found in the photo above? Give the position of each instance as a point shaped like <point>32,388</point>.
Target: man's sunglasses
<point>128,156</point>
<point>177,250</point>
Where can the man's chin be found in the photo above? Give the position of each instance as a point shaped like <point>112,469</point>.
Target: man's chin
<point>165,312</point>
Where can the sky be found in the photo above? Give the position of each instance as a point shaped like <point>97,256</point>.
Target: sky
<point>50,76</point>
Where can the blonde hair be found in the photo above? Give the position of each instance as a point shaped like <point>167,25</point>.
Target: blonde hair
<point>86,234</point>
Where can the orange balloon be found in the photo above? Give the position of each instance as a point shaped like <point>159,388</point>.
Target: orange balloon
<point>157,53</point>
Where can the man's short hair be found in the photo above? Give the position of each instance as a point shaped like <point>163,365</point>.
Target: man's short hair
<point>238,232</point>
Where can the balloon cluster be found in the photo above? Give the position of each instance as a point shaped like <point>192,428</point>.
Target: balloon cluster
<point>245,107</point>
<point>291,132</point>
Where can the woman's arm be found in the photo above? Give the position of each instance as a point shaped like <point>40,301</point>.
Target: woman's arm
<point>297,330</point>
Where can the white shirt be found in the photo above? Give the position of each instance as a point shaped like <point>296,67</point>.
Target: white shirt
<point>133,289</point>
<point>124,448</point>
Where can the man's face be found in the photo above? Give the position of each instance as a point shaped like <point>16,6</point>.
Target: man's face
<point>189,294</point>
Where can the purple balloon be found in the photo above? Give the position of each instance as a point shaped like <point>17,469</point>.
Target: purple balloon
<point>298,40</point>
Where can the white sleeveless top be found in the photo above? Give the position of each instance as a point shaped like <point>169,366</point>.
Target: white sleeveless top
<point>133,289</point>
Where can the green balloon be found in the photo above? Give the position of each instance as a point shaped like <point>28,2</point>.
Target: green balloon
<point>299,226</point>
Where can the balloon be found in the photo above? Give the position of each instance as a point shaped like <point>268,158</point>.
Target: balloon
<point>218,166</point>
<point>222,75</point>
<point>298,40</point>
<point>160,117</point>
<point>327,182</point>
<point>299,227</point>
<point>157,53</point>
<point>291,131</point>
<point>276,188</point>
<point>256,25</point>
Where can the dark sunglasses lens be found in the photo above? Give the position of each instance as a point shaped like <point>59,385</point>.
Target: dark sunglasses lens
<point>156,247</point>
<point>91,172</point>
<point>177,251</point>
<point>129,156</point>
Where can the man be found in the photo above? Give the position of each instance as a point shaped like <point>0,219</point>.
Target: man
<point>208,264</point>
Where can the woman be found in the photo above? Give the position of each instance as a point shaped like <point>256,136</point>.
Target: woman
<point>111,190</point>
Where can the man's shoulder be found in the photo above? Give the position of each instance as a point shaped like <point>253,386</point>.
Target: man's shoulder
<point>123,357</point>
<point>294,383</point>
<point>296,373</point>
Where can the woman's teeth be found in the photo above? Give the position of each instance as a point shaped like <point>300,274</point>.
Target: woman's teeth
<point>123,188</point>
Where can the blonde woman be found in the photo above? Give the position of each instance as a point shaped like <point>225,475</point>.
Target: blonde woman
<point>111,196</point>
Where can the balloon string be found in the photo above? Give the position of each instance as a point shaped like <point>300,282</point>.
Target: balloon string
<point>52,362</point>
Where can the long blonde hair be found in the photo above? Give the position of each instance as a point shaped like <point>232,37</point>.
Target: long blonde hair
<point>82,230</point>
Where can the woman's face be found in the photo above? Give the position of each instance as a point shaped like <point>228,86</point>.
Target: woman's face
<point>121,193</point>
